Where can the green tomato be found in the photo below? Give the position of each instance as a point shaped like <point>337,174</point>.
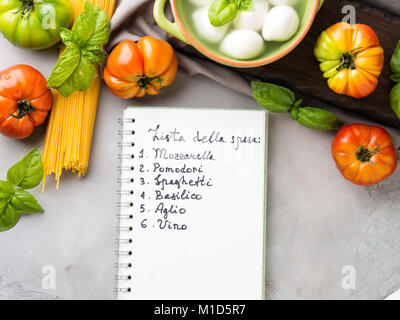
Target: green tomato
<point>34,24</point>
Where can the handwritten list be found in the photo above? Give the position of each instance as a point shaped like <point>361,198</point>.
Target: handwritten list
<point>170,180</point>
<point>194,180</point>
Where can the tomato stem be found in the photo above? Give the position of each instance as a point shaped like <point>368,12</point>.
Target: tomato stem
<point>144,82</point>
<point>27,6</point>
<point>347,59</point>
<point>363,154</point>
<point>23,107</point>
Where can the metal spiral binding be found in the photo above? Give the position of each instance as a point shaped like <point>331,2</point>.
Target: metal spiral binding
<point>123,253</point>
<point>126,156</point>
<point>124,229</point>
<point>126,132</point>
<point>123,290</point>
<point>125,180</point>
<point>125,192</point>
<point>125,232</point>
<point>126,144</point>
<point>124,216</point>
<point>126,120</point>
<point>123,241</point>
<point>125,204</point>
<point>126,168</point>
<point>127,277</point>
<point>123,265</point>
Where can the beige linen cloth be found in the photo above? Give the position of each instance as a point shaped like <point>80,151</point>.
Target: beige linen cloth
<point>134,19</point>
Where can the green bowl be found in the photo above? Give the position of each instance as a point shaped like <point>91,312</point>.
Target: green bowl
<point>182,29</point>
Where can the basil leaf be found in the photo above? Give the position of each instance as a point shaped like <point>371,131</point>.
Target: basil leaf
<point>81,79</point>
<point>75,69</point>
<point>65,67</point>
<point>95,55</point>
<point>8,218</point>
<point>316,119</point>
<point>101,28</point>
<point>24,202</point>
<point>6,193</point>
<point>395,61</point>
<point>244,5</point>
<point>272,97</point>
<point>68,37</point>
<point>395,99</point>
<point>279,99</point>
<point>222,12</point>
<point>85,22</point>
<point>8,215</point>
<point>27,173</point>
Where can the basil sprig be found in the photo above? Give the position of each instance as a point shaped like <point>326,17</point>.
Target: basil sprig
<point>75,69</point>
<point>395,92</point>
<point>14,199</point>
<point>222,12</point>
<point>281,100</point>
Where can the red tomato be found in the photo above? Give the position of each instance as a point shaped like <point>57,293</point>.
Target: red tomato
<point>25,101</point>
<point>364,155</point>
<point>136,69</point>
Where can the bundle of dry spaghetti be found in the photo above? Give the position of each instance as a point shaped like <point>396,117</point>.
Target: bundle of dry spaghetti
<point>70,129</point>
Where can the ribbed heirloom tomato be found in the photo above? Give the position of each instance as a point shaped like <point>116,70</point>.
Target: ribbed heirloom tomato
<point>136,69</point>
<point>25,101</point>
<point>351,58</point>
<point>34,24</point>
<point>364,155</point>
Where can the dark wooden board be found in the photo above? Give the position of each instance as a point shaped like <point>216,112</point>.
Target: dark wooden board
<point>299,70</point>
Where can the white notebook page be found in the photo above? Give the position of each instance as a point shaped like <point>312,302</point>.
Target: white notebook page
<point>197,212</point>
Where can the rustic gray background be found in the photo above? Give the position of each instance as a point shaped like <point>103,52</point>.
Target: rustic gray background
<point>317,221</point>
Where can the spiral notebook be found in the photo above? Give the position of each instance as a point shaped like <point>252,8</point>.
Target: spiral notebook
<point>193,204</point>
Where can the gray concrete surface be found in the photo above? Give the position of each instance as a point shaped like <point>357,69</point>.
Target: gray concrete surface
<point>317,222</point>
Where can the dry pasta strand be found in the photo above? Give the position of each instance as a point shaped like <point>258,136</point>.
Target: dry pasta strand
<point>70,128</point>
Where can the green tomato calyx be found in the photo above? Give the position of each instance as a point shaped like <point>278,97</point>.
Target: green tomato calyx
<point>347,59</point>
<point>24,107</point>
<point>27,6</point>
<point>144,82</point>
<point>363,154</point>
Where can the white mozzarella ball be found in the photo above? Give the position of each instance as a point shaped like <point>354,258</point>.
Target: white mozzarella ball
<point>201,3</point>
<point>281,24</point>
<point>243,44</point>
<point>283,2</point>
<point>254,19</point>
<point>205,29</point>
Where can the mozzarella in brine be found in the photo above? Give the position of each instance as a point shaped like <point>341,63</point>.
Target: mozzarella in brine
<point>281,24</point>
<point>205,29</point>
<point>243,44</point>
<point>254,19</point>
